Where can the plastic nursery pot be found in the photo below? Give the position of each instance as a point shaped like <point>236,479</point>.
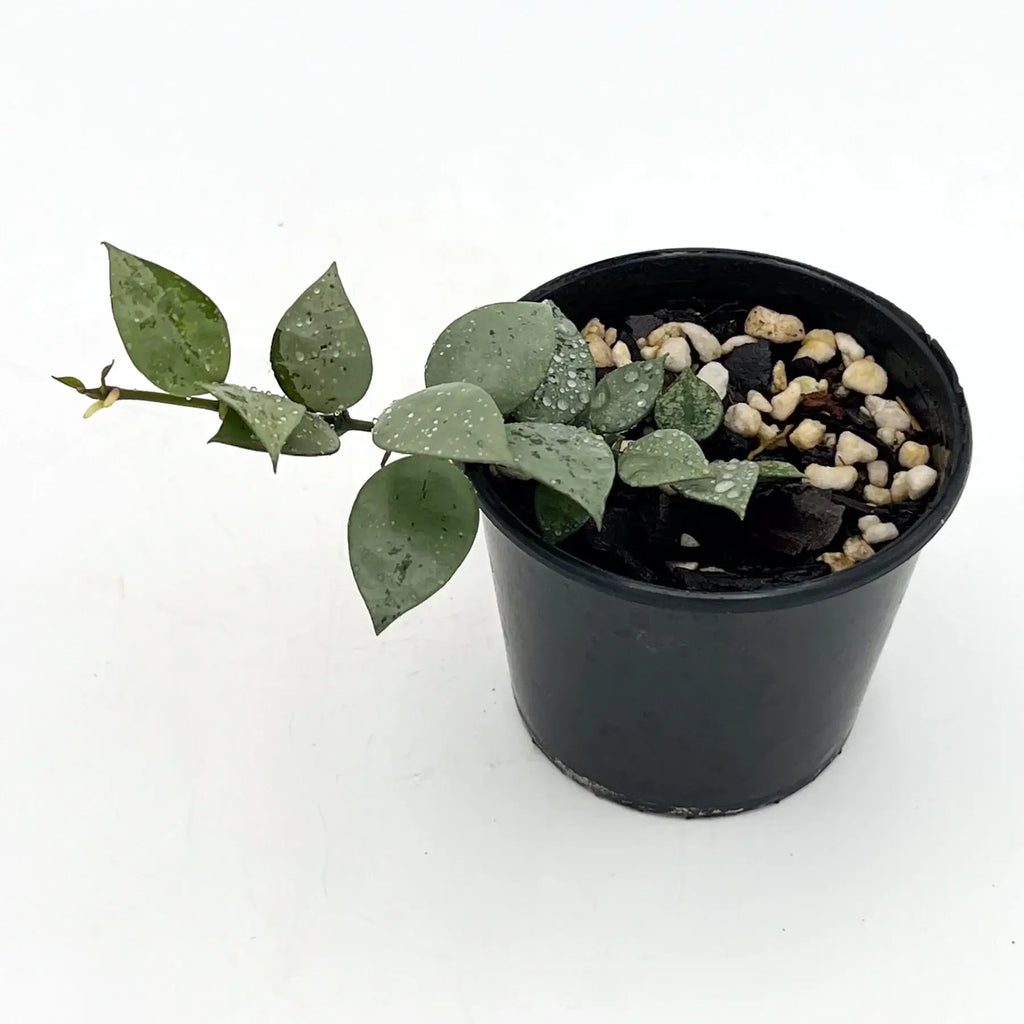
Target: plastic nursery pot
<point>712,703</point>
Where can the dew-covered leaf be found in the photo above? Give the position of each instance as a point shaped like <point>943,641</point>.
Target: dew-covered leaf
<point>770,470</point>
<point>411,526</point>
<point>690,404</point>
<point>626,395</point>
<point>320,355</point>
<point>571,460</point>
<point>662,457</point>
<point>311,437</point>
<point>173,333</point>
<point>569,382</point>
<point>453,421</point>
<point>272,418</point>
<point>558,516</point>
<point>730,485</point>
<point>505,348</point>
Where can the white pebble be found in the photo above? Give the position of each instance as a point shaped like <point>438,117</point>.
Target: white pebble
<point>768,433</point>
<point>887,413</point>
<point>920,480</point>
<point>881,533</point>
<point>837,561</point>
<point>677,354</point>
<point>913,454</point>
<point>808,434</point>
<point>890,437</point>
<point>865,377</point>
<point>878,473</point>
<point>865,522</point>
<point>858,549</point>
<point>673,329</point>
<point>735,341</point>
<point>829,440</point>
<point>757,401</point>
<point>833,478</point>
<point>620,353</point>
<point>784,404</point>
<point>763,322</point>
<point>779,382</point>
<point>703,341</point>
<point>687,540</point>
<point>848,348</point>
<point>611,336</point>
<point>852,449</point>
<point>692,566</point>
<point>900,490</point>
<point>648,352</point>
<point>743,420</point>
<point>877,495</point>
<point>600,351</point>
<point>818,345</point>
<point>810,386</point>
<point>716,376</point>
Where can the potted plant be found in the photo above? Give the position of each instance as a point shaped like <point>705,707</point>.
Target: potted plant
<point>701,515</point>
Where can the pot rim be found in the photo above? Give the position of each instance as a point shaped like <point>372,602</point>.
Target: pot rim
<point>951,484</point>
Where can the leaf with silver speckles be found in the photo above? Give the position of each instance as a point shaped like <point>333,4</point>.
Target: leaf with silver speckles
<point>411,526</point>
<point>569,382</point>
<point>690,404</point>
<point>453,421</point>
<point>571,460</point>
<point>311,437</point>
<point>272,418</point>
<point>505,348</point>
<point>173,333</point>
<point>730,486</point>
<point>662,457</point>
<point>771,470</point>
<point>626,395</point>
<point>558,516</point>
<point>320,355</point>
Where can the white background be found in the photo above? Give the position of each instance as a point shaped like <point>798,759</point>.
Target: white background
<point>221,798</point>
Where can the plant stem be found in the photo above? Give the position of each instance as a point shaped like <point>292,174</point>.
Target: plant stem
<point>129,395</point>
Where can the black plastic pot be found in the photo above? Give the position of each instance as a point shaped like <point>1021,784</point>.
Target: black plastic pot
<point>712,703</point>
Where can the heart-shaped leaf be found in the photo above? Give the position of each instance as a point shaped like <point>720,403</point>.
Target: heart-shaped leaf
<point>173,333</point>
<point>557,515</point>
<point>690,404</point>
<point>569,382</point>
<point>626,395</point>
<point>770,470</point>
<point>411,527</point>
<point>662,457</point>
<point>505,348</point>
<point>320,354</point>
<point>272,418</point>
<point>453,421</point>
<point>730,485</point>
<point>571,460</point>
<point>311,437</point>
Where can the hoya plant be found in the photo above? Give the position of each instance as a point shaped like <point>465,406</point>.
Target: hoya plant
<point>511,384</point>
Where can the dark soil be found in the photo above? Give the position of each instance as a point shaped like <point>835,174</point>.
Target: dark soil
<point>787,525</point>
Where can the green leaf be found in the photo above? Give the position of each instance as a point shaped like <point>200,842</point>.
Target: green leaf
<point>557,516</point>
<point>451,421</point>
<point>173,333</point>
<point>311,437</point>
<point>625,396</point>
<point>320,354</point>
<point>571,460</point>
<point>730,485</point>
<point>662,457</point>
<point>71,382</point>
<point>271,418</point>
<point>569,382</point>
<point>691,405</point>
<point>505,348</point>
<point>770,470</point>
<point>411,527</point>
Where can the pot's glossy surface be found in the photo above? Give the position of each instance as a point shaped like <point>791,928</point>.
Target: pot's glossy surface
<point>712,703</point>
